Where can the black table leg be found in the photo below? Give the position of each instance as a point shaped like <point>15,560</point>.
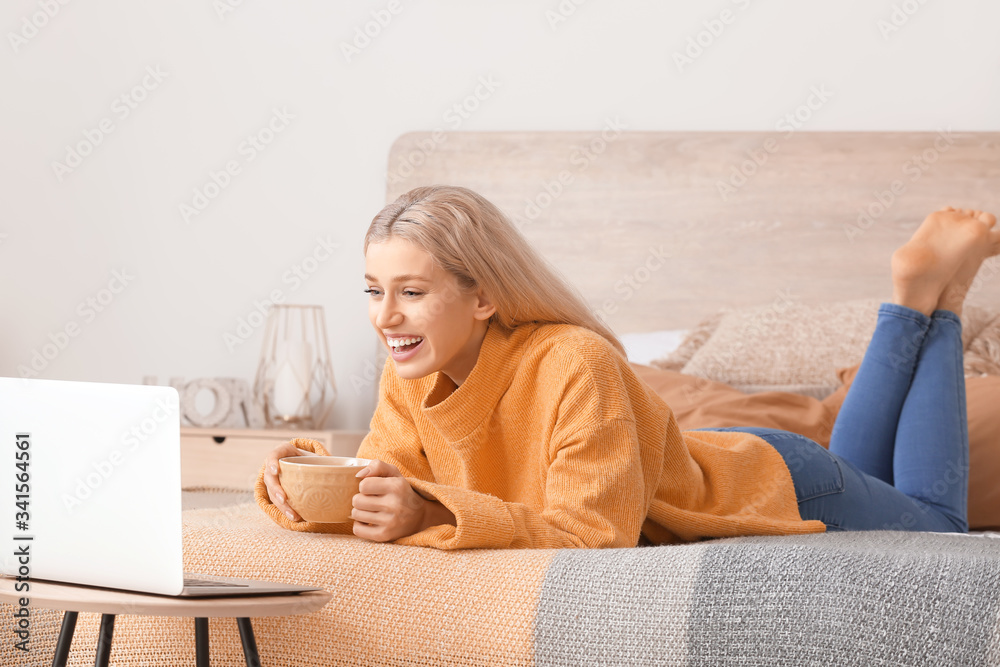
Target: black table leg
<point>65,639</point>
<point>104,640</point>
<point>249,643</point>
<point>108,628</point>
<point>201,642</point>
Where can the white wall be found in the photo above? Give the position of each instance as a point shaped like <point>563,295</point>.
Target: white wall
<point>224,72</point>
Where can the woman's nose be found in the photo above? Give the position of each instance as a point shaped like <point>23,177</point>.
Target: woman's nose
<point>386,314</point>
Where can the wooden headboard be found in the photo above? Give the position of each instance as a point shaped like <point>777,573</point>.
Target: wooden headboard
<point>660,229</point>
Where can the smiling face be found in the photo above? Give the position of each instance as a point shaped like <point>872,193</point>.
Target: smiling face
<point>426,303</point>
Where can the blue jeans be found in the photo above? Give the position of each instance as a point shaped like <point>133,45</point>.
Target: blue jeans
<point>899,450</point>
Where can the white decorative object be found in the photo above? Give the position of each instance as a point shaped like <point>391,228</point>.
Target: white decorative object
<point>219,411</point>
<point>294,387</point>
<point>234,405</point>
<point>292,378</point>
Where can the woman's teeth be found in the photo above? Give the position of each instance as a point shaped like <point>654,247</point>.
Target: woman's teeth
<point>397,343</point>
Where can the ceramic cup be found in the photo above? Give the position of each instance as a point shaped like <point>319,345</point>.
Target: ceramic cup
<point>321,488</point>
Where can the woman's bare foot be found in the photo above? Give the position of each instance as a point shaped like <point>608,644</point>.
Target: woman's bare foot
<point>926,264</point>
<point>953,296</point>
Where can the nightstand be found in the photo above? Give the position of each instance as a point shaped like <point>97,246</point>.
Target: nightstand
<point>231,458</point>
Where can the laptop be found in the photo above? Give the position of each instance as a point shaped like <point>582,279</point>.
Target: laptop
<point>96,492</point>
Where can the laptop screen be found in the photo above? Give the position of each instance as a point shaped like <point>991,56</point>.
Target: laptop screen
<point>96,497</point>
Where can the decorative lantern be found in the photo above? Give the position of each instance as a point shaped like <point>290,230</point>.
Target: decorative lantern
<point>295,387</point>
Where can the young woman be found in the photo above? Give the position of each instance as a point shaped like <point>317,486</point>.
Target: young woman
<point>509,416</point>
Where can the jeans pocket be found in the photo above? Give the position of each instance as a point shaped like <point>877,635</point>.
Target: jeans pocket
<point>815,471</point>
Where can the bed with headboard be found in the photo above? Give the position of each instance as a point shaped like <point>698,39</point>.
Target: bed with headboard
<point>747,260</point>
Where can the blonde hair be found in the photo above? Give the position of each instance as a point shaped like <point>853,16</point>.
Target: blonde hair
<point>473,240</point>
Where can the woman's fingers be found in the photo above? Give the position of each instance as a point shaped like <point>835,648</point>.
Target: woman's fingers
<point>278,499</point>
<point>279,452</point>
<point>379,469</point>
<point>271,482</point>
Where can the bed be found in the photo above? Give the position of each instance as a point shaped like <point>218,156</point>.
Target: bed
<point>672,237</point>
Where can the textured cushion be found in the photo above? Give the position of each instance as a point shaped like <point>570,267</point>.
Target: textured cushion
<point>795,347</point>
<point>787,344</point>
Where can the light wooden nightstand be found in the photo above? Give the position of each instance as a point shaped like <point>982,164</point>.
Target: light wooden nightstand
<point>231,458</point>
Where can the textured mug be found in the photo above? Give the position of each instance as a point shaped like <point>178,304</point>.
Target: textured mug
<point>321,488</point>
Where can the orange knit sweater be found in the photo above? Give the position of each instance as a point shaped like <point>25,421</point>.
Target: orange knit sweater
<point>552,441</point>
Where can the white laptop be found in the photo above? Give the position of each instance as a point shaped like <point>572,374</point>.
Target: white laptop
<point>91,490</point>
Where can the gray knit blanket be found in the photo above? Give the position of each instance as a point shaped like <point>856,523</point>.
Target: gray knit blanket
<point>844,598</point>
<point>847,598</point>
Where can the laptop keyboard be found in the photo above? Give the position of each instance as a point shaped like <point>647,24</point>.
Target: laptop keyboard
<point>195,583</point>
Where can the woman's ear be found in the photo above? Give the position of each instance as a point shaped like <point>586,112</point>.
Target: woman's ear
<point>485,307</point>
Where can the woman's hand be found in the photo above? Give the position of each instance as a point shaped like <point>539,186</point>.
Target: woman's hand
<point>387,507</point>
<point>274,490</point>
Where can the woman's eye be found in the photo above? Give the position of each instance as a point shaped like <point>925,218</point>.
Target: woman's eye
<point>373,292</point>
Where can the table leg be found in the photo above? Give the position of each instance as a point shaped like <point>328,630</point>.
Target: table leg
<point>65,639</point>
<point>104,640</point>
<point>249,643</point>
<point>201,641</point>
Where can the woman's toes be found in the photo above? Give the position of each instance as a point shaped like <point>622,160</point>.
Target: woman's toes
<point>947,208</point>
<point>988,218</point>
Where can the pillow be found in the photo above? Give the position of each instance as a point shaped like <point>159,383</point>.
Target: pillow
<point>699,403</point>
<point>641,348</point>
<point>982,351</point>
<point>982,396</point>
<point>795,347</point>
<point>677,359</point>
<point>790,345</point>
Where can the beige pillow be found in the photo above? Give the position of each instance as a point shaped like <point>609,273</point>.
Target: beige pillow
<point>981,331</point>
<point>678,359</point>
<point>798,348</point>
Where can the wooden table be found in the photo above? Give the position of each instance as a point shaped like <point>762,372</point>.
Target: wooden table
<point>110,602</point>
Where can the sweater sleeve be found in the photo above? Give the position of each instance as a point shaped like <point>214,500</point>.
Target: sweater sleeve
<point>594,497</point>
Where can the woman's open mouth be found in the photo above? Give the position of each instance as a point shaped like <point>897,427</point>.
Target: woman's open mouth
<point>404,352</point>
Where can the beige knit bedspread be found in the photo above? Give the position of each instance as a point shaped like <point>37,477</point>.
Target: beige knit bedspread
<point>862,598</point>
<point>392,605</point>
